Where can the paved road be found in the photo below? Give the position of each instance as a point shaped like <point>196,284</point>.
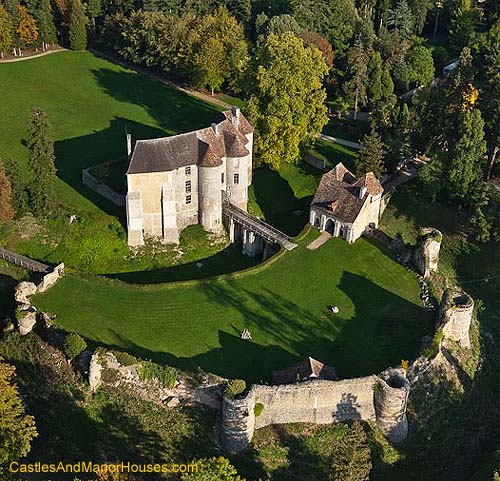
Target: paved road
<point>344,142</point>
<point>29,57</point>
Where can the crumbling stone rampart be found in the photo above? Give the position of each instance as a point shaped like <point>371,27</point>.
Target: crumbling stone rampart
<point>456,312</point>
<point>426,256</point>
<point>382,399</point>
<point>26,312</point>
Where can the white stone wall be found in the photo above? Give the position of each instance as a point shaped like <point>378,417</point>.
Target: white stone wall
<point>320,402</point>
<point>238,193</point>
<point>187,214</point>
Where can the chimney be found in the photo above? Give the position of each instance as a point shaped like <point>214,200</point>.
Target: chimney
<point>362,191</point>
<point>215,128</point>
<point>129,145</point>
<point>236,115</point>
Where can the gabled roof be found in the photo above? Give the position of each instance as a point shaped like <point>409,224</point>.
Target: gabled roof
<point>309,369</point>
<point>204,147</point>
<point>340,192</point>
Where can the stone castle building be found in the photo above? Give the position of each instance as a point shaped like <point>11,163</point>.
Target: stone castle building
<point>344,205</point>
<point>174,182</point>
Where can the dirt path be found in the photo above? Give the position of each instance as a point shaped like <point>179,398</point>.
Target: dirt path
<point>319,241</point>
<point>160,78</point>
<point>29,57</point>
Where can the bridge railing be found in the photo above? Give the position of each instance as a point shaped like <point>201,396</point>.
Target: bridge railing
<point>24,262</point>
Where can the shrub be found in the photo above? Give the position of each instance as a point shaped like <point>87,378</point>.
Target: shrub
<point>234,388</point>
<point>165,374</point>
<point>125,359</point>
<point>431,351</point>
<point>259,407</point>
<point>74,345</point>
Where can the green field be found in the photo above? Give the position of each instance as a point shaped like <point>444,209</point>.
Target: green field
<point>91,102</point>
<point>284,305</point>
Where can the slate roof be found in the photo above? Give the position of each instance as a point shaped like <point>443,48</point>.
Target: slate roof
<point>305,371</point>
<point>204,147</point>
<point>339,192</point>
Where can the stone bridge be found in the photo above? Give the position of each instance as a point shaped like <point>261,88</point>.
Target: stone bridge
<point>257,236</point>
<point>24,262</point>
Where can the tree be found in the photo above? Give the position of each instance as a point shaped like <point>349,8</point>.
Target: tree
<point>462,25</point>
<point>41,162</point>
<point>77,29</point>
<point>375,76</point>
<point>351,456</point>
<point>371,155</point>
<point>26,28</point>
<point>45,23</point>
<point>479,201</point>
<point>402,19</point>
<point>5,30</point>
<point>18,185</point>
<point>220,51</point>
<point>283,23</point>
<point>421,66</point>
<point>94,8</point>
<point>17,429</point>
<point>489,64</point>
<point>334,20</point>
<point>287,98</point>
<point>356,86</point>
<point>213,469</point>
<point>464,168</point>
<point>6,208</point>
<point>321,43</point>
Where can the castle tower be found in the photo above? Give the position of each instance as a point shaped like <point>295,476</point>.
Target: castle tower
<point>456,311</point>
<point>427,253</point>
<point>238,422</point>
<point>390,398</point>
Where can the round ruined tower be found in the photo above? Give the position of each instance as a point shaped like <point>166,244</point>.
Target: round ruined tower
<point>457,308</point>
<point>238,422</point>
<point>427,253</point>
<point>390,399</point>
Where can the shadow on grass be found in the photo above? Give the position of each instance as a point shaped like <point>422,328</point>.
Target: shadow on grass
<point>174,110</point>
<point>224,262</point>
<point>276,199</point>
<point>74,155</point>
<point>385,329</point>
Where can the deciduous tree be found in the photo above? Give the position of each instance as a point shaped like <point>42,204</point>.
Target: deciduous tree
<point>6,208</point>
<point>17,429</point>
<point>5,30</point>
<point>321,43</point>
<point>77,26</point>
<point>26,28</point>
<point>421,66</point>
<point>45,24</point>
<point>287,98</point>
<point>41,162</point>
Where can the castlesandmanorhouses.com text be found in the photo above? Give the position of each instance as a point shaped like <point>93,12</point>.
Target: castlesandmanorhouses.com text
<point>96,468</point>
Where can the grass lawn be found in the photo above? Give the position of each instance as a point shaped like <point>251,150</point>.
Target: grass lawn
<point>284,305</point>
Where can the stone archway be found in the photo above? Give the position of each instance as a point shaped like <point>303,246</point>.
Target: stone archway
<point>330,226</point>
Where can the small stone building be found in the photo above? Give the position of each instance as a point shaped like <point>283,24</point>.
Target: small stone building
<point>177,181</point>
<point>345,205</point>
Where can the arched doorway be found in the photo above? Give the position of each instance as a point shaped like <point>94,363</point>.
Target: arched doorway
<point>330,226</point>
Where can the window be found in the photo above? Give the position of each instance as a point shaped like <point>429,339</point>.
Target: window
<point>188,186</point>
<point>222,177</point>
<point>188,170</point>
<point>188,199</point>
<point>236,178</point>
